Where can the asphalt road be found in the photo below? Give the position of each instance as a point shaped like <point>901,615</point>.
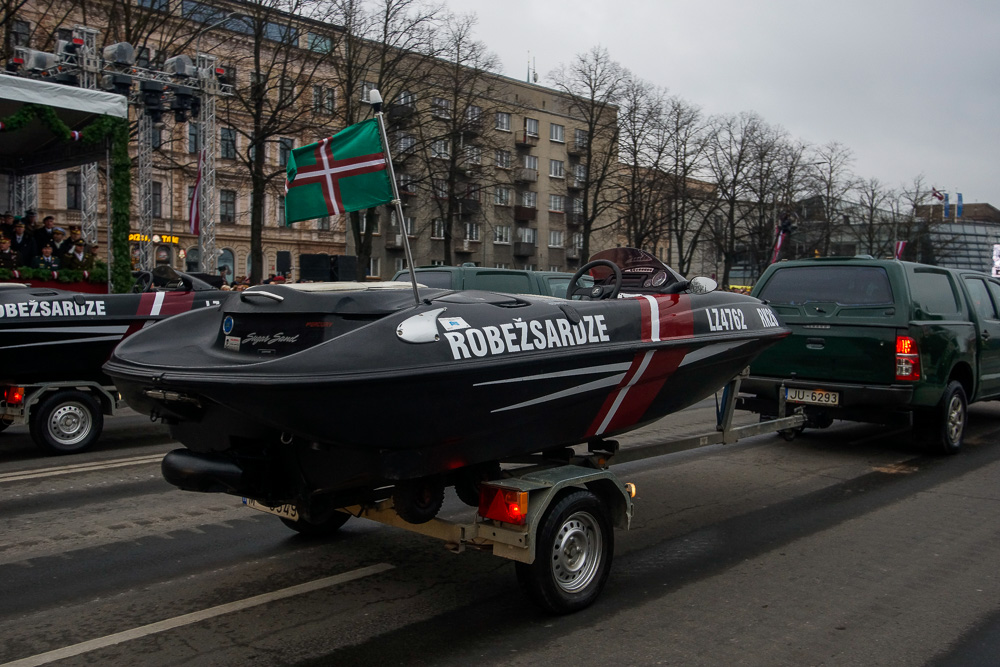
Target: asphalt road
<point>843,547</point>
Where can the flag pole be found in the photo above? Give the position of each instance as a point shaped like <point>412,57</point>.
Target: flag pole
<point>376,101</point>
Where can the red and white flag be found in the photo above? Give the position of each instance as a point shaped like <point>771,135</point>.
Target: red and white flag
<point>937,195</point>
<point>194,209</point>
<point>899,248</point>
<point>777,246</point>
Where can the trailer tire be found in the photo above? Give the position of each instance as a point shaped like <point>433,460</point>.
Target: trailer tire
<point>3,425</point>
<point>67,422</point>
<point>418,500</point>
<point>469,479</point>
<point>575,547</point>
<point>318,530</point>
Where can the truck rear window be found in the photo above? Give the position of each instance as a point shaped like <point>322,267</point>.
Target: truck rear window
<point>843,285</point>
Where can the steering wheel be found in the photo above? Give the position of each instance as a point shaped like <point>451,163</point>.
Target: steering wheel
<point>142,282</point>
<point>596,292</point>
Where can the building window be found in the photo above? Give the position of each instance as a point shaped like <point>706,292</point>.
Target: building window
<point>503,121</point>
<point>580,139</point>
<point>374,267</point>
<point>557,133</point>
<point>364,223</point>
<point>440,149</point>
<point>366,88</point>
<point>531,162</point>
<point>190,196</point>
<point>406,99</point>
<point>529,198</point>
<point>556,169</point>
<point>501,197</point>
<point>143,57</point>
<point>322,223</point>
<point>557,203</point>
<point>319,43</point>
<point>406,183</point>
<point>503,159</point>
<point>531,127</point>
<point>227,206</point>
<point>227,146</point>
<point>285,145</point>
<point>73,193</point>
<point>437,228</point>
<point>440,187</point>
<point>20,33</point>
<point>556,238</point>
<point>406,142</point>
<point>400,264</point>
<point>527,235</point>
<point>501,234</point>
<point>473,155</point>
<point>156,136</point>
<point>580,173</point>
<point>281,213</point>
<point>578,240</point>
<point>286,93</point>
<point>440,107</point>
<point>324,100</point>
<point>193,143</point>
<point>474,114</point>
<point>472,231</point>
<point>157,199</point>
<point>576,205</point>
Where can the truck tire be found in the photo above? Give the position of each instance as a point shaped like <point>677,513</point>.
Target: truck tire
<point>943,427</point>
<point>66,422</point>
<point>573,555</point>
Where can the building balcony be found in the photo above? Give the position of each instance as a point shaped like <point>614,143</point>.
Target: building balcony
<point>472,127</point>
<point>574,219</point>
<point>523,249</point>
<point>573,252</point>
<point>525,213</point>
<point>575,184</point>
<point>576,149</point>
<point>525,175</point>
<point>401,114</point>
<point>465,245</point>
<point>393,241</point>
<point>522,138</point>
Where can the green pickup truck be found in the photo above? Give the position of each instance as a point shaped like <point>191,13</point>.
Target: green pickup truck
<point>879,341</point>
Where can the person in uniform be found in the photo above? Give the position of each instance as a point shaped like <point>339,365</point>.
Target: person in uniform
<point>46,259</point>
<point>22,243</point>
<point>78,258</point>
<point>43,234</point>
<point>7,224</point>
<point>63,245</point>
<point>8,258</point>
<point>31,221</point>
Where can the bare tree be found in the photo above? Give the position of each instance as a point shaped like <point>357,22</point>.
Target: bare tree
<point>732,142</point>
<point>386,45</point>
<point>829,182</point>
<point>874,222</point>
<point>594,82</point>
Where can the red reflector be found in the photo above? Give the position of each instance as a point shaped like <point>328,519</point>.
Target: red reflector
<point>13,395</point>
<point>78,41</point>
<point>506,505</point>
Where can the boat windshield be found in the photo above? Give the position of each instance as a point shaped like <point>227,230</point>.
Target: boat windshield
<point>641,271</point>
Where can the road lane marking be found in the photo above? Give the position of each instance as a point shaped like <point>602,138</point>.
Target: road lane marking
<point>195,617</point>
<point>79,467</point>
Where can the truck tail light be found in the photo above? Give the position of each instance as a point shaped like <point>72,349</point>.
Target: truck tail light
<point>506,505</point>
<point>907,359</point>
<point>13,395</point>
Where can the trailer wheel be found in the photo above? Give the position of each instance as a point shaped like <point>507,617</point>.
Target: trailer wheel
<point>67,422</point>
<point>3,425</point>
<point>418,500</point>
<point>318,530</point>
<point>575,546</point>
<point>943,427</point>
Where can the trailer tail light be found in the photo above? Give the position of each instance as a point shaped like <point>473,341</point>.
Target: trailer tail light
<point>506,505</point>
<point>907,359</point>
<point>13,395</point>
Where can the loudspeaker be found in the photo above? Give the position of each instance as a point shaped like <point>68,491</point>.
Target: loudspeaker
<point>284,263</point>
<point>314,268</point>
<point>343,267</point>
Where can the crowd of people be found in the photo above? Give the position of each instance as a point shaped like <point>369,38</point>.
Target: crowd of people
<point>25,242</point>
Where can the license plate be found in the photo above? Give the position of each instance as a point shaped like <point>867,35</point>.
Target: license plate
<point>286,511</point>
<point>814,396</point>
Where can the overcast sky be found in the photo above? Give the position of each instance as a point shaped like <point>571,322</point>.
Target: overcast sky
<point>910,86</point>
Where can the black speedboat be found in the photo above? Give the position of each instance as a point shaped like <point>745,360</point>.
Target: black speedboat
<point>57,335</point>
<point>327,393</point>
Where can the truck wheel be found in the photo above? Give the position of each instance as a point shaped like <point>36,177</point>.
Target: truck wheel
<point>944,426</point>
<point>573,555</point>
<point>318,530</point>
<point>67,422</point>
